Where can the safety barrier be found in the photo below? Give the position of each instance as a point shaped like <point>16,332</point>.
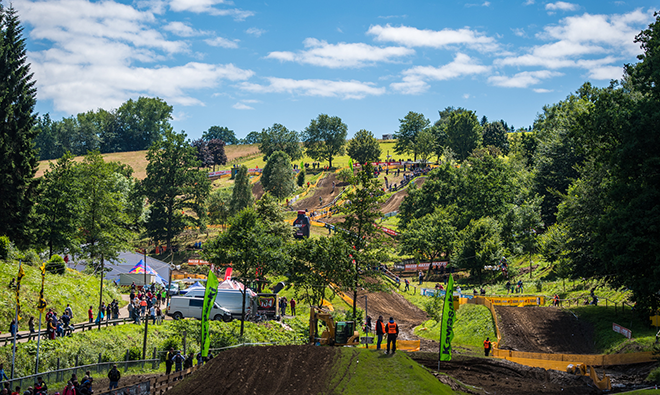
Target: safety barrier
<point>559,362</point>
<point>408,345</point>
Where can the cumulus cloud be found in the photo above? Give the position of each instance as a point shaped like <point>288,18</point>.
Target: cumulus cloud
<point>561,6</point>
<point>595,43</point>
<point>414,79</point>
<point>208,7</point>
<point>523,79</point>
<point>316,87</point>
<point>320,53</point>
<point>255,31</point>
<point>413,37</point>
<point>222,42</point>
<point>183,29</point>
<point>541,90</point>
<point>93,52</point>
<point>242,106</point>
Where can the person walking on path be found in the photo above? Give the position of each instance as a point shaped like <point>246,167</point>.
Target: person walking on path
<point>31,327</point>
<point>380,331</point>
<point>293,306</point>
<point>421,277</point>
<point>487,346</point>
<point>405,280</point>
<point>90,314</point>
<point>114,376</point>
<point>392,330</point>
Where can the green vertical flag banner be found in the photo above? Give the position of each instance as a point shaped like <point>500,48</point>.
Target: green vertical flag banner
<point>350,163</point>
<point>209,299</point>
<point>42,301</point>
<point>447,328</point>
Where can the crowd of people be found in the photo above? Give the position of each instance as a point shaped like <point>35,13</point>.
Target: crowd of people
<point>145,304</point>
<point>73,386</point>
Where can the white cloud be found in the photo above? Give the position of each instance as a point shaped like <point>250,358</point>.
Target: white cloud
<point>529,2</point>
<point>208,7</point>
<point>519,32</point>
<point>541,90</point>
<point>255,31</point>
<point>561,6</point>
<point>222,42</point>
<point>320,53</point>
<point>183,29</point>
<point>413,37</point>
<point>315,87</point>
<point>93,51</point>
<point>524,79</point>
<point>414,79</point>
<point>596,43</point>
<point>242,106</point>
<point>466,96</point>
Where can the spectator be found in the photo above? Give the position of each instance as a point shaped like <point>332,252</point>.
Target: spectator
<point>169,360</point>
<point>293,306</point>
<point>69,389</point>
<point>90,314</point>
<point>31,327</point>
<point>178,360</point>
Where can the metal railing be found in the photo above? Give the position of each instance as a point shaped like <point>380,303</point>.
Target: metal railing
<point>59,375</point>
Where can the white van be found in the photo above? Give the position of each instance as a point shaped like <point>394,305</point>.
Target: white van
<point>183,307</point>
<point>232,300</point>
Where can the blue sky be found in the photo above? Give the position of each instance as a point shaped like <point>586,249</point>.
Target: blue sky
<point>247,65</point>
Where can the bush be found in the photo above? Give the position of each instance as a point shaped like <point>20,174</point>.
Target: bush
<point>5,247</point>
<point>32,258</point>
<point>134,354</point>
<point>56,265</point>
<point>433,307</point>
<point>345,175</point>
<point>301,178</point>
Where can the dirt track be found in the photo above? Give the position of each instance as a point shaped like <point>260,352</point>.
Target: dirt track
<point>323,190</point>
<point>262,370</point>
<point>544,329</point>
<point>502,377</point>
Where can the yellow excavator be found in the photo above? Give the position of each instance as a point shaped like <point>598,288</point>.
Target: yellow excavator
<point>342,333</point>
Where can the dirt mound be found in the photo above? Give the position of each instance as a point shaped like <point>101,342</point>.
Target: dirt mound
<point>262,370</point>
<point>324,191</point>
<point>497,376</point>
<point>544,329</point>
<point>393,203</point>
<point>257,190</point>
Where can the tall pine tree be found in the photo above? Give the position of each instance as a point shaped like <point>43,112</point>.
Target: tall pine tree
<point>17,118</point>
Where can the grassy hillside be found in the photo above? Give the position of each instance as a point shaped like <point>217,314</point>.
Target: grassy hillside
<point>78,289</point>
<point>247,155</point>
<point>362,371</point>
<point>138,161</point>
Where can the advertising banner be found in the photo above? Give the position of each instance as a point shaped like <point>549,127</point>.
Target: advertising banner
<point>209,300</point>
<point>267,304</point>
<point>447,328</point>
<point>517,301</point>
<point>624,331</point>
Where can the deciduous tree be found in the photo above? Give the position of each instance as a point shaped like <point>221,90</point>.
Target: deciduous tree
<point>406,136</point>
<point>241,196</point>
<point>325,138</point>
<point>364,147</point>
<point>277,176</point>
<point>221,133</point>
<point>279,138</point>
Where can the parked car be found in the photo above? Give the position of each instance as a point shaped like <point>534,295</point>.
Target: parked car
<point>184,307</point>
<point>232,300</point>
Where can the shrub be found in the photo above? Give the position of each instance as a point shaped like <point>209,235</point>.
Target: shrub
<point>301,178</point>
<point>5,247</point>
<point>56,265</point>
<point>433,307</point>
<point>345,175</point>
<point>32,258</point>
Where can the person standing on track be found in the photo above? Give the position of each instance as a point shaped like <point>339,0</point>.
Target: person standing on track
<point>380,331</point>
<point>392,330</point>
<point>487,346</point>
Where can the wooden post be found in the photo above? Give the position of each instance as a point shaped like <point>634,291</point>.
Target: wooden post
<point>155,363</point>
<point>57,373</point>
<point>98,366</point>
<point>126,364</point>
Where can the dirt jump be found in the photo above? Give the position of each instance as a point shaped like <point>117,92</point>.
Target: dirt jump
<point>501,377</point>
<point>323,190</point>
<point>262,370</point>
<point>544,330</point>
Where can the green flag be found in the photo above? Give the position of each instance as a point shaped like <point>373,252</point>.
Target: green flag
<point>209,300</point>
<point>447,328</point>
<point>350,163</point>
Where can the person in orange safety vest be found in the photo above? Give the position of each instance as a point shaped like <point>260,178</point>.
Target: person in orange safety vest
<point>487,346</point>
<point>392,330</point>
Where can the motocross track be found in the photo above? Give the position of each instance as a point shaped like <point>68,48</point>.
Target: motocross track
<point>263,370</point>
<point>544,330</point>
<point>323,190</point>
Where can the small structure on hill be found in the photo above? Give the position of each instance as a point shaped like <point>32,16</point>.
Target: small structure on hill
<point>301,225</point>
